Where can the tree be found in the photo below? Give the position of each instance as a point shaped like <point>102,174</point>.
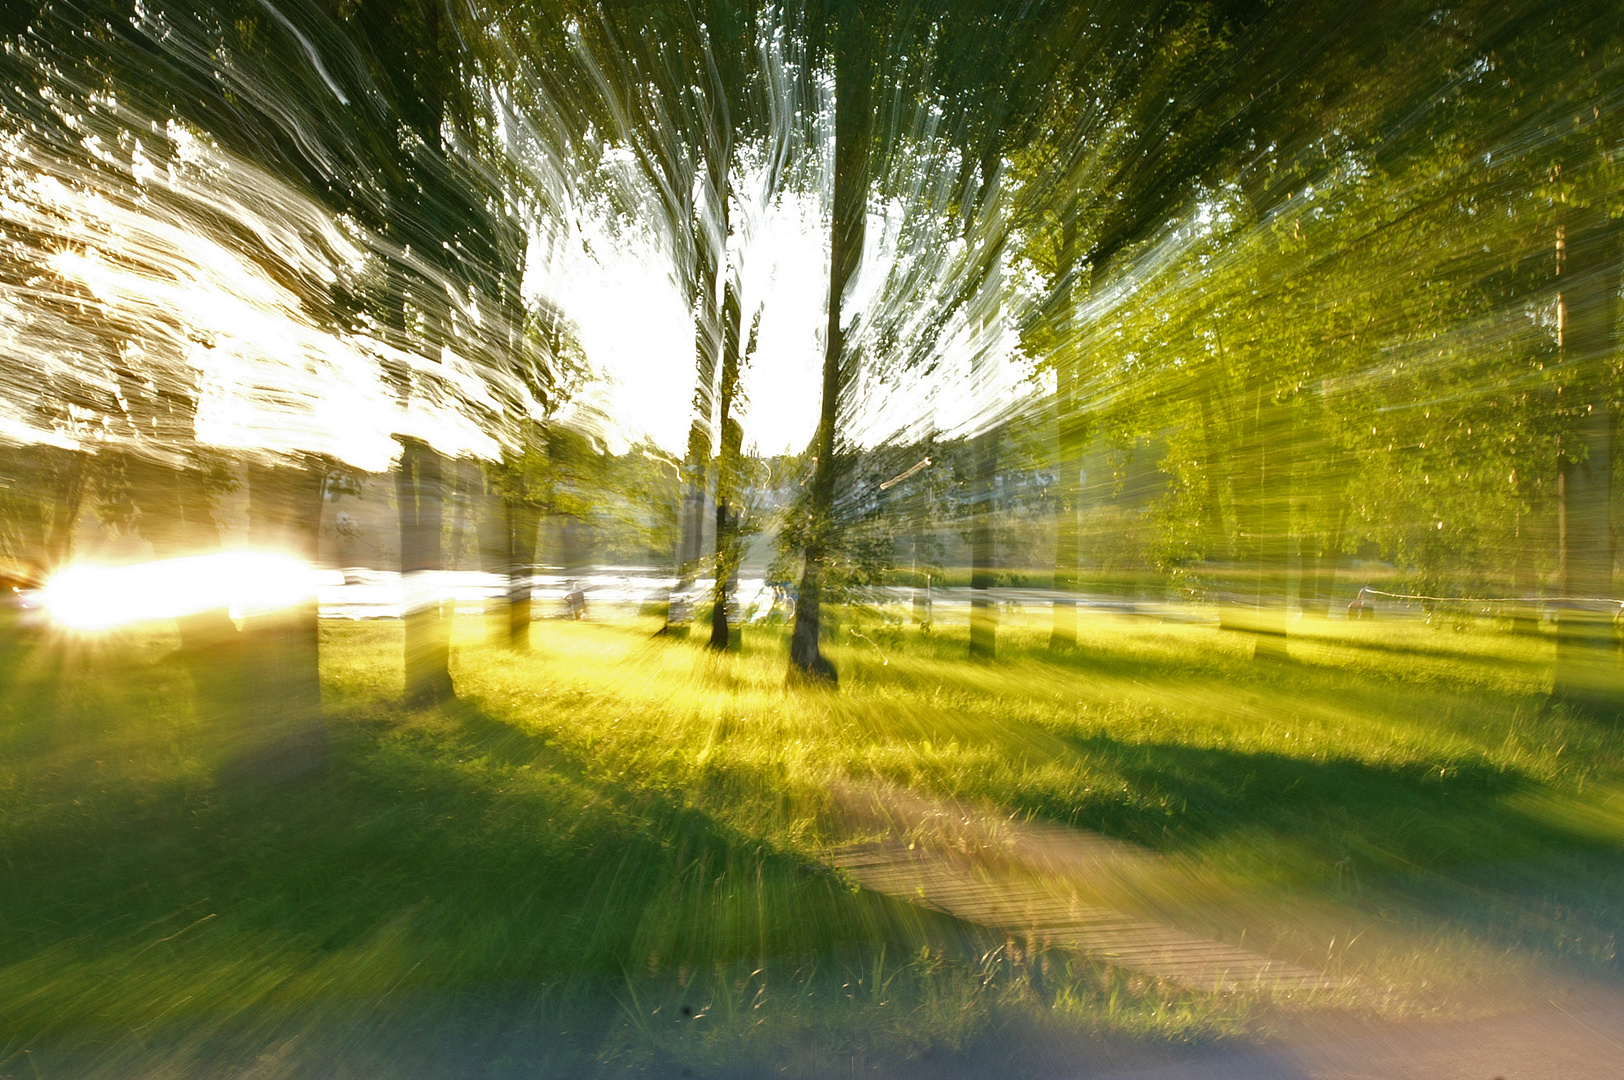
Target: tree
<point>401,248</point>
<point>730,471</point>
<point>996,76</point>
<point>526,481</point>
<point>451,206</point>
<point>852,41</point>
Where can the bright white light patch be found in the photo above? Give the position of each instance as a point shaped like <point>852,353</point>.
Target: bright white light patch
<point>90,597</point>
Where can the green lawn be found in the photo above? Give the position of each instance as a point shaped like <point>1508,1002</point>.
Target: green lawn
<point>618,828</point>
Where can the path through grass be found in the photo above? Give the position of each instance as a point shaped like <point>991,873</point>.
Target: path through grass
<point>620,827</point>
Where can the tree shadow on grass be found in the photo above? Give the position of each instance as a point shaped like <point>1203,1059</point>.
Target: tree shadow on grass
<point>1453,843</point>
<point>448,844</point>
<point>1223,656</point>
<point>1403,815</point>
<point>1452,699</point>
<point>444,854</point>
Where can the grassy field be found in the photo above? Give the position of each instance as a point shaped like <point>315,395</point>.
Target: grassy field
<point>607,856</point>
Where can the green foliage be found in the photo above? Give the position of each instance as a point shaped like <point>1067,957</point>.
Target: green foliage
<point>628,501</point>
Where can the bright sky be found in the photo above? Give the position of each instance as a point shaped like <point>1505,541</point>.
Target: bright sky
<point>191,311</point>
<point>151,295</point>
<point>639,335</point>
<point>638,332</point>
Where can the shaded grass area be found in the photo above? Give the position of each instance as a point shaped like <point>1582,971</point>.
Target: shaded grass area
<point>448,861</point>
<point>1167,736</point>
<point>618,828</point>
<point>1385,767</point>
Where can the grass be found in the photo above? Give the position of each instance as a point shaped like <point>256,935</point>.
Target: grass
<point>615,841</point>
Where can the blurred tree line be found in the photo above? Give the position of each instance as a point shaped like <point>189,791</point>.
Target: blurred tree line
<point>1295,281</point>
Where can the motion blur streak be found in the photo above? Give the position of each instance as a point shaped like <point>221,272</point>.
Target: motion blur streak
<point>90,597</point>
<point>169,269</point>
<point>810,538</point>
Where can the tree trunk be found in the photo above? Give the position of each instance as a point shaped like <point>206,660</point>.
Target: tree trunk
<point>1327,561</point>
<point>1587,668</point>
<point>729,447</point>
<point>1075,432</point>
<point>1216,538</point>
<point>522,523</point>
<point>1327,506</point>
<point>177,519</point>
<point>505,525</point>
<point>727,546</point>
<point>418,494</point>
<point>983,611</point>
<point>46,491</point>
<point>286,736</point>
<point>1262,511</point>
<point>1274,547</point>
<point>709,266</point>
<point>491,526</point>
<point>1071,434</point>
<point>1242,468</point>
<point>921,528</point>
<point>853,117</point>
<point>1525,580</point>
<point>1063,635</point>
<point>983,535</point>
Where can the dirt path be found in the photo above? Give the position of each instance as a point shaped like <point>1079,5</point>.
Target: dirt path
<point>1051,885</point>
<point>1036,881</point>
<point>1047,915</point>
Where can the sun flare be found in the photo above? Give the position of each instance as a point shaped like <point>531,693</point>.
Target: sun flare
<point>89,596</point>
